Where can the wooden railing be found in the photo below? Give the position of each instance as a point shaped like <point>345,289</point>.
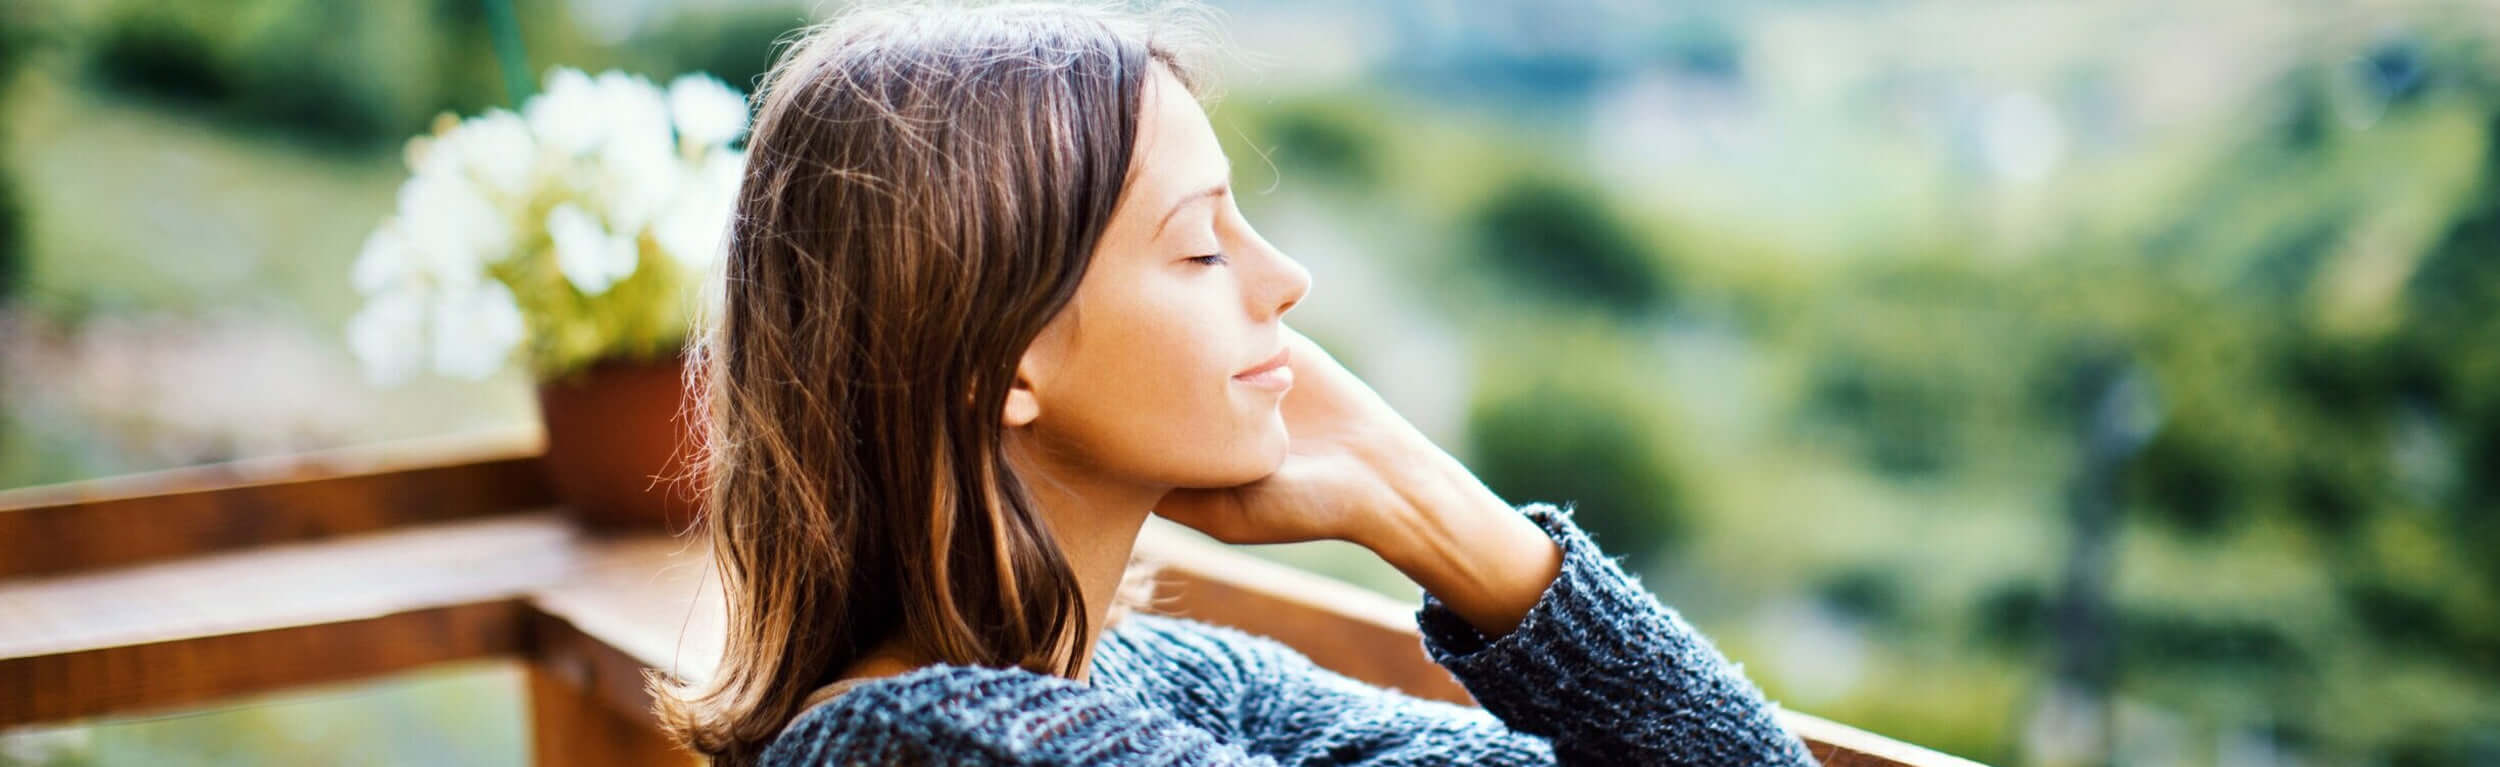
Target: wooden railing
<point>186,587</point>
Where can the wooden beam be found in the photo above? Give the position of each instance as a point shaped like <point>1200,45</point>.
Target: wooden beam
<point>243,623</point>
<point>188,671</point>
<point>651,598</point>
<point>571,726</point>
<point>633,602</point>
<point>1840,745</point>
<point>156,516</point>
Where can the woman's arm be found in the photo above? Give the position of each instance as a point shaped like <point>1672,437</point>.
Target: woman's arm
<point>1451,535</point>
<point>1550,635</point>
<point>1554,637</point>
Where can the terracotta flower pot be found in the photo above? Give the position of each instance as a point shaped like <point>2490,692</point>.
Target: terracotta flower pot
<point>618,447</point>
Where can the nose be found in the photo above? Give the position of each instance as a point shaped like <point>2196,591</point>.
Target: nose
<point>1283,285</point>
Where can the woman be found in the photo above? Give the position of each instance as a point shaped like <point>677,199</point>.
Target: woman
<point>989,304</point>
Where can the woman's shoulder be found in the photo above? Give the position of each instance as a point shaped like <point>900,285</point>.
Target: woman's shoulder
<point>933,709</point>
<point>1185,650</point>
<point>960,714</point>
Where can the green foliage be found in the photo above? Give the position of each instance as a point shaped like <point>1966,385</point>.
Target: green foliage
<point>1560,240</point>
<point>1899,422</point>
<point>13,257</point>
<point>1335,138</point>
<point>642,317</point>
<point>23,29</point>
<point>736,43</point>
<point>1870,593</point>
<point>1556,444</point>
<point>346,74</point>
<point>2301,394</point>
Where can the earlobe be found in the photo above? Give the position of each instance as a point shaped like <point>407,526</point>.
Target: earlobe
<point>1022,408</point>
<point>1024,399</point>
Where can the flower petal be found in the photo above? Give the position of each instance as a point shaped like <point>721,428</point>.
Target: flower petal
<point>706,110</point>
<point>589,256</point>
<point>383,262</point>
<point>475,330</point>
<point>388,334</point>
<point>566,114</point>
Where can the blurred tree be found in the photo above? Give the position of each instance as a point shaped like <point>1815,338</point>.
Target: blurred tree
<point>1333,138</point>
<point>23,27</point>
<point>1868,592</point>
<point>1559,240</point>
<point>2315,308</point>
<point>736,43</point>
<point>1548,443</point>
<point>343,74</point>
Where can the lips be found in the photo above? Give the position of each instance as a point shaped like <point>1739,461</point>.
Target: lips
<point>1282,356</point>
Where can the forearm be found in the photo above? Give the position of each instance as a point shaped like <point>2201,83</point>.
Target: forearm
<point>1606,672</point>
<point>1454,537</point>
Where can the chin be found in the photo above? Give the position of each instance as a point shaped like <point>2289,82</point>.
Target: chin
<point>1251,464</point>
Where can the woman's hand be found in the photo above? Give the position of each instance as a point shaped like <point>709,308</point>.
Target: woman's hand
<point>1337,478</point>
<point>1355,470</point>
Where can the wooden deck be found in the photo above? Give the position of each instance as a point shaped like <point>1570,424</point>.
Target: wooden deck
<point>174,589</point>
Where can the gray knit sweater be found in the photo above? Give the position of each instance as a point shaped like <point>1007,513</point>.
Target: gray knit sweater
<point>1599,672</point>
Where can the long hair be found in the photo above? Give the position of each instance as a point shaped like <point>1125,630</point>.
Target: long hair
<point>924,189</point>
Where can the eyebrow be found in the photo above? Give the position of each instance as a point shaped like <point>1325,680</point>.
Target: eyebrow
<point>1219,189</point>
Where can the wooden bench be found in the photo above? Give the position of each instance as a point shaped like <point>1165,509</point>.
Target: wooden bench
<point>180,588</point>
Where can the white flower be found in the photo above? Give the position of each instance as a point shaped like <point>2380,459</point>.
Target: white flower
<point>384,262</point>
<point>495,150</point>
<point>387,335</point>
<point>630,104</point>
<point>639,164</point>
<point>706,110</point>
<point>450,228</point>
<point>475,330</point>
<point>692,229</point>
<point>568,114</point>
<point>589,256</point>
<point>640,177</point>
<point>609,158</point>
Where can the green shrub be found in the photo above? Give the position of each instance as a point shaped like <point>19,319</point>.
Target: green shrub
<point>1548,444</point>
<point>736,44</point>
<point>13,256</point>
<point>339,73</point>
<point>22,29</point>
<point>1559,241</point>
<point>1334,139</point>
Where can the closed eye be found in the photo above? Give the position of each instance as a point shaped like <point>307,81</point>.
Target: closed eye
<point>1218,258</point>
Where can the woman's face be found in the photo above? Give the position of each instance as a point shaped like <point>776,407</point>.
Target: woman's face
<point>1135,380</point>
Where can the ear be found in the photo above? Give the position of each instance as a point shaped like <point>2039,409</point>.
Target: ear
<point>1023,404</point>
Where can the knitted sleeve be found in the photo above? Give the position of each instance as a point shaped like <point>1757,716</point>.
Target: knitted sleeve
<point>1608,673</point>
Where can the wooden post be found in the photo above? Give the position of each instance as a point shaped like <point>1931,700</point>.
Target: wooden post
<point>570,727</point>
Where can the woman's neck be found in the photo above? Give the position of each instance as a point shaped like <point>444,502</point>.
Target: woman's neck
<point>1096,522</point>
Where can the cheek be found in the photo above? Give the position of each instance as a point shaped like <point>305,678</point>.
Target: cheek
<point>1152,396</point>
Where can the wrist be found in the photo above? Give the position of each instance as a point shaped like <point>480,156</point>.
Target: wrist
<point>1420,484</point>
<point>1453,536</point>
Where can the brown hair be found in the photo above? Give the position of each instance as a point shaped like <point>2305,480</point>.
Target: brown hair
<point>924,188</point>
